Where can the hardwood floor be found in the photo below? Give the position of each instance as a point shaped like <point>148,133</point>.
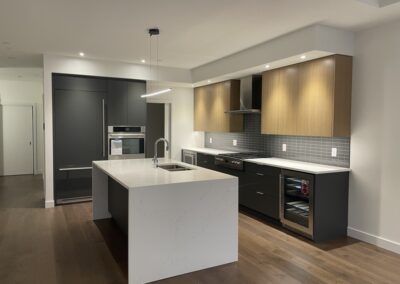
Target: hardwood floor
<point>63,245</point>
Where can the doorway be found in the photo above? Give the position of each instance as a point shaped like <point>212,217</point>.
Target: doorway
<point>17,149</point>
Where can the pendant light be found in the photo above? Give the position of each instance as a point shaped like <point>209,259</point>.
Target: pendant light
<point>155,32</point>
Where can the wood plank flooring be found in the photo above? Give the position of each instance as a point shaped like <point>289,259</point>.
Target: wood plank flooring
<point>63,245</point>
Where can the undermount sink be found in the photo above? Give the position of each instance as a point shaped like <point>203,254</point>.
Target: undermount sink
<point>174,167</point>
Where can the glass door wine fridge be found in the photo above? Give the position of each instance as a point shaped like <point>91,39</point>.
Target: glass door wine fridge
<point>296,200</point>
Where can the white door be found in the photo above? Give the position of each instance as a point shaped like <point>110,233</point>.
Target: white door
<point>17,124</point>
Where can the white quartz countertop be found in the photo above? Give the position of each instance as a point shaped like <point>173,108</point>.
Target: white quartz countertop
<point>298,166</point>
<point>210,151</point>
<point>134,173</point>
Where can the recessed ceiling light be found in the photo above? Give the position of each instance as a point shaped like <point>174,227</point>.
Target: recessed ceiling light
<point>143,61</point>
<point>208,81</point>
<point>81,54</point>
<point>267,66</point>
<point>303,57</point>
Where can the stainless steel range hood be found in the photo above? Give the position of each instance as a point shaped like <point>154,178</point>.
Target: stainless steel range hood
<point>250,95</point>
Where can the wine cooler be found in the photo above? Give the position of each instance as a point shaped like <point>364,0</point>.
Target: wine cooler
<point>296,204</point>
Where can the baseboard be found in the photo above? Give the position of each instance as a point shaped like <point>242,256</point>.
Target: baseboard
<point>49,204</point>
<point>373,239</point>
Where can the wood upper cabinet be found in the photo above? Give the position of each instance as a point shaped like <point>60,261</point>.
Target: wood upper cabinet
<point>279,101</point>
<point>308,99</point>
<point>211,103</point>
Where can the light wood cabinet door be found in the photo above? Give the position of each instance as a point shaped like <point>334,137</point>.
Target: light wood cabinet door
<point>270,102</point>
<point>201,104</point>
<point>288,101</point>
<point>316,97</point>
<point>279,101</point>
<point>211,104</point>
<point>308,99</point>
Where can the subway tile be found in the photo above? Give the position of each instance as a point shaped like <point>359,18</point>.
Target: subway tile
<point>302,148</point>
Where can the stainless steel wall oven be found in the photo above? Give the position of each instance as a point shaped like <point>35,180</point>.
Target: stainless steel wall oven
<point>126,142</point>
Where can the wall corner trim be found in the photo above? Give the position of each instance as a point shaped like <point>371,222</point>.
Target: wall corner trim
<point>49,204</point>
<point>373,239</point>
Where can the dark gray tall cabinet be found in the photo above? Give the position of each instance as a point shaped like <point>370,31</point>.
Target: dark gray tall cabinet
<point>156,127</point>
<point>83,107</point>
<point>124,104</point>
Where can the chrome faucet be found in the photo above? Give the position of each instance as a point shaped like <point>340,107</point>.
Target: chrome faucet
<point>155,159</point>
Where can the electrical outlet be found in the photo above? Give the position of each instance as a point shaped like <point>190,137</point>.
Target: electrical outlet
<point>234,142</point>
<point>210,140</point>
<point>334,152</point>
<point>284,147</point>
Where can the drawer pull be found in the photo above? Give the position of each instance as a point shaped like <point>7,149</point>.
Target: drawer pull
<point>74,169</point>
<point>260,193</point>
<point>259,174</point>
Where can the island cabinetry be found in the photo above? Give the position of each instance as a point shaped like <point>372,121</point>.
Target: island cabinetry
<point>308,99</point>
<point>211,104</point>
<point>176,222</point>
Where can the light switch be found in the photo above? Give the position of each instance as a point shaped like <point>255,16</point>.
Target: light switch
<point>284,147</point>
<point>234,142</point>
<point>210,140</point>
<point>334,152</point>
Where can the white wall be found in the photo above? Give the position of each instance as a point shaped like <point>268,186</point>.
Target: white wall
<point>182,107</point>
<point>29,91</point>
<point>81,66</point>
<point>374,208</point>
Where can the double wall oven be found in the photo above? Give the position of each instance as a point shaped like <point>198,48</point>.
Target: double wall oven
<point>126,142</point>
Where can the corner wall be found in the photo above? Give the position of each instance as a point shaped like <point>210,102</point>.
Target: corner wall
<point>374,205</point>
<point>182,134</point>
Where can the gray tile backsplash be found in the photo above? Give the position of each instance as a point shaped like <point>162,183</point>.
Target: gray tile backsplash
<point>308,149</point>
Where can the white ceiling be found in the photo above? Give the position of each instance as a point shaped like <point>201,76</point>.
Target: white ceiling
<point>193,32</point>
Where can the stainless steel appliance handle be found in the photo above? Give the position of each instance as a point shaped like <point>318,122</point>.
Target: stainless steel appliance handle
<point>260,193</point>
<point>74,169</point>
<point>104,127</point>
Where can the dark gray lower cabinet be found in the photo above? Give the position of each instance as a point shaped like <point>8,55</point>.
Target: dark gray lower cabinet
<point>206,161</point>
<point>259,189</point>
<point>262,190</point>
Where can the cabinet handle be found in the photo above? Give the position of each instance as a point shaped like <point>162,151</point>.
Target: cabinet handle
<point>74,169</point>
<point>259,174</point>
<point>260,193</point>
<point>104,126</point>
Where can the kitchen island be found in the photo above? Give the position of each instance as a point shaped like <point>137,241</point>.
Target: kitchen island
<point>177,221</point>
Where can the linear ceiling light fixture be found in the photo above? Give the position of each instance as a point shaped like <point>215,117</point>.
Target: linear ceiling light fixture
<point>156,93</point>
<point>155,32</point>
